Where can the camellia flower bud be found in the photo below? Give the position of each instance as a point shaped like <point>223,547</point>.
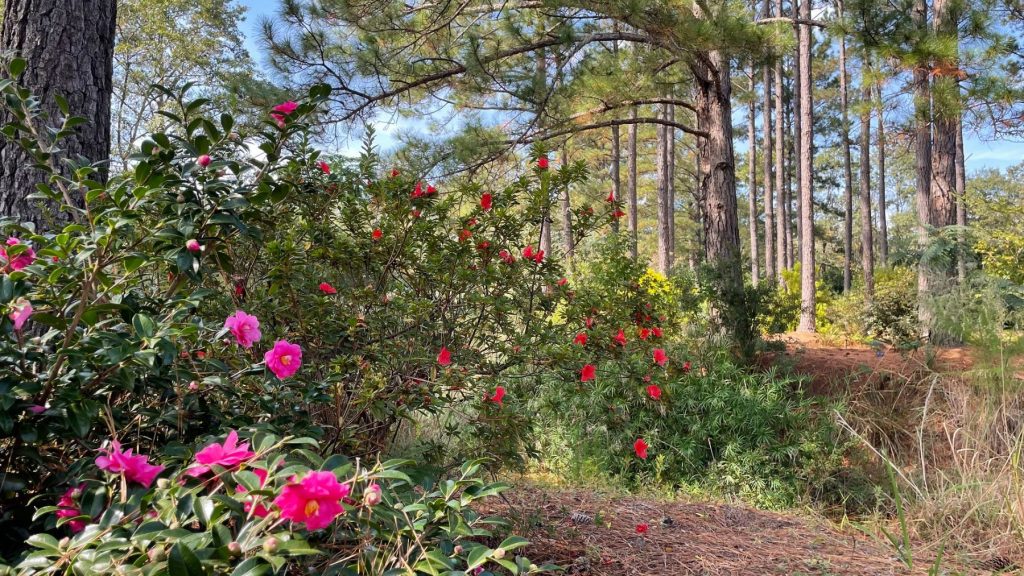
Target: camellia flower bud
<point>372,496</point>
<point>204,160</point>
<point>156,554</point>
<point>234,548</point>
<point>162,483</point>
<point>499,553</point>
<point>270,545</point>
<point>193,245</point>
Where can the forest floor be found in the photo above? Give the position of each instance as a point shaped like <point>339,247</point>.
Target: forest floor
<point>588,532</point>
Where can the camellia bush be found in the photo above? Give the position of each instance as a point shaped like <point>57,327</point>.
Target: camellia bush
<point>242,282</point>
<point>255,508</point>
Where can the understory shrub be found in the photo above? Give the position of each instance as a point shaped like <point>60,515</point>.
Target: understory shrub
<point>237,507</point>
<point>890,317</point>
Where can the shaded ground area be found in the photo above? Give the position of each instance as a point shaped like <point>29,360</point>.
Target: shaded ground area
<point>592,534</point>
<point>834,367</point>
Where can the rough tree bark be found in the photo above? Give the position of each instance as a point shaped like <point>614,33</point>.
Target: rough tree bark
<point>631,186</point>
<point>867,244</point>
<point>883,218</point>
<point>671,177</point>
<point>847,170</point>
<point>755,271</point>
<point>780,165</point>
<point>69,47</point>
<point>923,166</point>
<point>569,243</point>
<point>798,79</point>
<point>807,296</point>
<point>766,170</point>
<point>786,243</point>
<point>662,257</point>
<point>945,111</point>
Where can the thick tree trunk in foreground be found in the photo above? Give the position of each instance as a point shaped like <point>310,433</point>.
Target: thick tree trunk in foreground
<point>69,47</point>
<point>755,271</point>
<point>847,170</point>
<point>883,218</point>
<point>631,186</point>
<point>807,296</point>
<point>945,114</point>
<point>923,166</point>
<point>867,243</point>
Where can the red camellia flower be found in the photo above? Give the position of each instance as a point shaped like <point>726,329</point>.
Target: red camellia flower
<point>377,234</point>
<point>588,373</point>
<point>686,366</point>
<point>542,162</point>
<point>507,257</point>
<point>654,392</point>
<point>640,447</point>
<point>324,167</point>
<point>563,281</point>
<point>415,213</point>
<point>644,333</point>
<point>580,339</point>
<point>660,358</point>
<point>464,235</point>
<point>656,331</point>
<point>590,322</point>
<point>611,197</point>
<point>444,357</point>
<point>499,394</point>
<point>642,528</point>
<point>417,192</point>
<point>528,252</point>
<point>620,338</point>
<point>484,245</point>
<point>486,201</point>
<point>239,289</point>
<point>394,172</point>
<point>327,288</point>
<point>431,190</point>
<point>618,214</point>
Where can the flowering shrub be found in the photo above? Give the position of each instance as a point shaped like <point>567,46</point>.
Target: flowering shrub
<point>258,505</point>
<point>644,405</point>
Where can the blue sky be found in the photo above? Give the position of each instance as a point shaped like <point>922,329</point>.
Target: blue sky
<point>979,154</point>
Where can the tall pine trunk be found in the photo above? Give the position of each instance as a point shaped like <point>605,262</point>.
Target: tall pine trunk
<point>883,217</point>
<point>614,170</point>
<point>569,245</point>
<point>755,270</point>
<point>671,177</point>
<point>961,205</point>
<point>662,257</point>
<point>847,170</point>
<point>767,154</point>
<point>780,165</point>
<point>923,166</point>
<point>807,270</point>
<point>792,196</point>
<point>867,244</point>
<point>945,114</point>
<point>631,186</point>
<point>69,48</point>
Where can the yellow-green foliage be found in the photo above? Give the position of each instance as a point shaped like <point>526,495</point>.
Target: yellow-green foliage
<point>1002,255</point>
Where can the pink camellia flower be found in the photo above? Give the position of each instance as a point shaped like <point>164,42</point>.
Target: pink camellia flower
<point>444,357</point>
<point>486,200</point>
<point>324,167</point>
<point>36,409</point>
<point>227,455</point>
<point>315,500</point>
<point>373,495</point>
<point>660,358</point>
<point>640,447</point>
<point>204,160</point>
<point>499,396</point>
<point>654,392</point>
<point>68,508</point>
<point>281,111</point>
<point>134,467</point>
<point>193,245</point>
<point>251,503</point>
<point>588,373</point>
<point>326,288</point>
<point>284,359</point>
<point>20,261</point>
<point>244,327</point>
<point>21,310</point>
